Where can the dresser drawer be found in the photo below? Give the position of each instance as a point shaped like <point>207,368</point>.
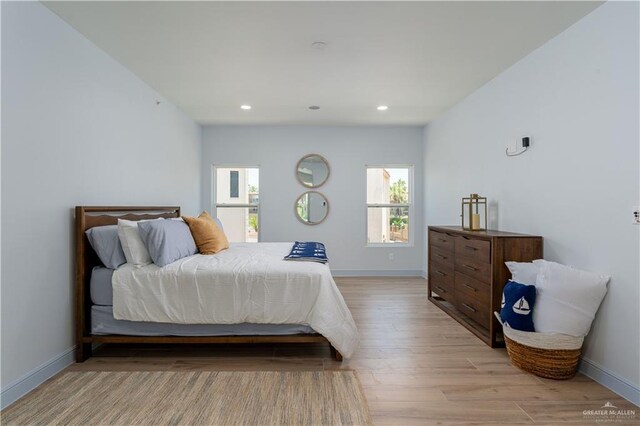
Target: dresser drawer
<point>473,268</point>
<point>441,256</point>
<point>441,280</point>
<point>444,291</point>
<point>479,250</point>
<point>442,240</point>
<point>474,309</point>
<point>441,273</point>
<point>473,288</point>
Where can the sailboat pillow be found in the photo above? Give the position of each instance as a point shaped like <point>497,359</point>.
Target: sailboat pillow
<point>517,306</point>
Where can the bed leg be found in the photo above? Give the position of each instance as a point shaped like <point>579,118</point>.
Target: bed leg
<point>83,352</point>
<point>335,354</point>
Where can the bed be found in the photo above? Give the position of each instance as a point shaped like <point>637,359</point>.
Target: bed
<point>246,294</point>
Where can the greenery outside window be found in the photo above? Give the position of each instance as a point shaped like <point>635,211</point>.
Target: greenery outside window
<point>236,201</point>
<point>389,205</point>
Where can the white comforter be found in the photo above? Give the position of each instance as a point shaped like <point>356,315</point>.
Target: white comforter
<point>249,283</point>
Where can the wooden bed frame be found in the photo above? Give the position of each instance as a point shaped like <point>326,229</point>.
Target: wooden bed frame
<point>86,259</point>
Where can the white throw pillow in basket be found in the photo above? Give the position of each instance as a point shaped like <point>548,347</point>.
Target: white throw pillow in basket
<point>567,299</point>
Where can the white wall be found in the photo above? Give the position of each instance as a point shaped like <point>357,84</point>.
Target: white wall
<point>577,98</point>
<point>348,150</point>
<point>78,129</point>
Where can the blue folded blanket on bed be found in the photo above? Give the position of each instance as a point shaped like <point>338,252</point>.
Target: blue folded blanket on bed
<point>308,251</point>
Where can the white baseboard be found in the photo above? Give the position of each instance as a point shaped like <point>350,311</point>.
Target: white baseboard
<point>607,379</point>
<point>376,273</point>
<point>25,384</point>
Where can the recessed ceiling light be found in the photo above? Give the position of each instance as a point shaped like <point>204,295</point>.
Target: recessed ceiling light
<point>245,107</point>
<point>382,107</point>
<point>314,107</point>
<point>319,45</point>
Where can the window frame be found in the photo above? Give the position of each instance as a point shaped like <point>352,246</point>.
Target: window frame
<point>409,205</point>
<point>214,196</point>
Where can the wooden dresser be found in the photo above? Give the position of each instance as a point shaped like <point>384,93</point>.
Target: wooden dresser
<point>467,274</point>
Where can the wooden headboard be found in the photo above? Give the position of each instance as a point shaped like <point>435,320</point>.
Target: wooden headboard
<point>86,258</point>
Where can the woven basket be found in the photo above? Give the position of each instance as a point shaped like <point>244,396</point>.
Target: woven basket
<point>550,355</point>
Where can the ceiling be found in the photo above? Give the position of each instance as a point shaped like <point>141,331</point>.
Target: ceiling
<point>419,58</point>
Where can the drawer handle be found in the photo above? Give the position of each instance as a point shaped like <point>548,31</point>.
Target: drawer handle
<point>471,287</point>
<point>441,273</point>
<point>442,240</point>
<point>469,267</point>
<point>470,248</point>
<point>441,289</point>
<point>441,256</point>
<point>471,308</point>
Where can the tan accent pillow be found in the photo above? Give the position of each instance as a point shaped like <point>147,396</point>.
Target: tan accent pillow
<point>208,236</point>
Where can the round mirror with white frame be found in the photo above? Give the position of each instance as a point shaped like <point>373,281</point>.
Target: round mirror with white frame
<point>312,170</point>
<point>311,208</point>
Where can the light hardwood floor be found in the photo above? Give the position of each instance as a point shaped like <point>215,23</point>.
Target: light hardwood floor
<point>416,365</point>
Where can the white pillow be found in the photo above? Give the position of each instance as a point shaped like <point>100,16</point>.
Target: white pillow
<point>567,299</point>
<point>134,249</point>
<point>523,272</point>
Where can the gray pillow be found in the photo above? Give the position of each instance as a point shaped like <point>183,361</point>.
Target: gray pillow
<point>167,240</point>
<point>106,244</point>
<point>219,223</point>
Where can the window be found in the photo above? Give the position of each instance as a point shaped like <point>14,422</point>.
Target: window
<point>389,206</point>
<point>233,184</point>
<point>236,195</point>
